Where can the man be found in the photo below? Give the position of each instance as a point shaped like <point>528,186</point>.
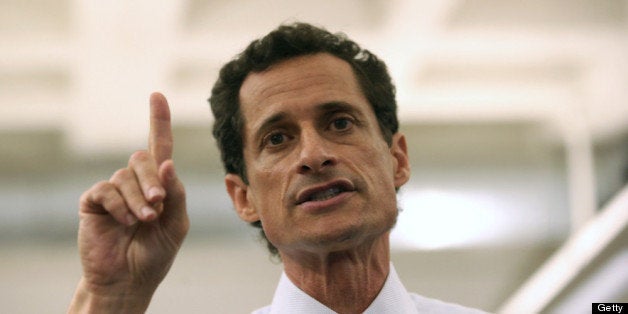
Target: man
<point>306,123</point>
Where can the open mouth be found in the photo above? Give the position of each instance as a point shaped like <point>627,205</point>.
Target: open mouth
<point>324,195</point>
<point>325,192</point>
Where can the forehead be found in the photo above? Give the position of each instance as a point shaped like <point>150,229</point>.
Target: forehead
<point>297,83</point>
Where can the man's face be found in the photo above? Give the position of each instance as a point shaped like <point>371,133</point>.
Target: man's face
<point>321,176</point>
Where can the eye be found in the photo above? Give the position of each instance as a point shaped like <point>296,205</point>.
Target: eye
<point>341,124</point>
<point>274,139</point>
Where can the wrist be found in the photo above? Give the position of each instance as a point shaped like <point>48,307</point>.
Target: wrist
<point>94,299</point>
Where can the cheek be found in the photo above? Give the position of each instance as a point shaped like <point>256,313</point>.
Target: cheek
<point>268,187</point>
<point>378,166</point>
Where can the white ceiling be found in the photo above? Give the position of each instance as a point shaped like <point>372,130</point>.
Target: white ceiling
<point>87,67</point>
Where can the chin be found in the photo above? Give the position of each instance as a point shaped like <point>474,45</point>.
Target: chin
<point>344,238</point>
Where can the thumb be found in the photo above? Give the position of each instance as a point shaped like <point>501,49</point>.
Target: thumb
<point>174,215</point>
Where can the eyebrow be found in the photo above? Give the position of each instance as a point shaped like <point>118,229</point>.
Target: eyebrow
<point>335,106</point>
<point>340,106</point>
<point>268,123</point>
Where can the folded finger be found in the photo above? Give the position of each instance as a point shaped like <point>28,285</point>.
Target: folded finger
<point>127,185</point>
<point>104,199</point>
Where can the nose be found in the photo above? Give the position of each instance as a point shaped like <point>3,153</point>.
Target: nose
<point>316,153</point>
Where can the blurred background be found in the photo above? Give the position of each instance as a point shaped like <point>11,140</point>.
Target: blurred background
<point>516,114</point>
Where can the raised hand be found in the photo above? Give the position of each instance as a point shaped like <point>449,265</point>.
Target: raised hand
<point>132,226</point>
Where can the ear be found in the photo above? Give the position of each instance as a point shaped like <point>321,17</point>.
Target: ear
<point>399,151</point>
<point>238,191</point>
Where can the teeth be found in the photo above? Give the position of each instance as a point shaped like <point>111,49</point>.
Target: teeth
<point>324,195</point>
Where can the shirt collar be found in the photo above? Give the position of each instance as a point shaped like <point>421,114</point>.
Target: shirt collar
<point>393,298</point>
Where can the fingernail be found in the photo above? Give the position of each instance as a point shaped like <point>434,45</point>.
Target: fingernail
<point>130,219</point>
<point>154,192</point>
<point>148,212</point>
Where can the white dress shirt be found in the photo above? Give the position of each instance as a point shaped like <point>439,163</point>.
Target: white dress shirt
<point>393,299</point>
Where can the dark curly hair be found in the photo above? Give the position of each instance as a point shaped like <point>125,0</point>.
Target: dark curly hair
<point>286,42</point>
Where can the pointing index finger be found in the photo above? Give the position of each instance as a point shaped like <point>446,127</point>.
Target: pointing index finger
<point>160,138</point>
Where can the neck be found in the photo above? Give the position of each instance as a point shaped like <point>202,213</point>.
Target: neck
<point>346,281</point>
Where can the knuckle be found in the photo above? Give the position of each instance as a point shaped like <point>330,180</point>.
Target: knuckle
<point>99,186</point>
<point>139,156</point>
<point>84,200</point>
<point>95,195</point>
<point>120,175</point>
